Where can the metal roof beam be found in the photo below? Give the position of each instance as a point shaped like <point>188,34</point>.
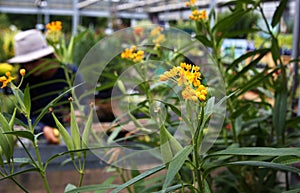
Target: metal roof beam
<point>85,3</point>
<point>69,12</point>
<point>135,4</point>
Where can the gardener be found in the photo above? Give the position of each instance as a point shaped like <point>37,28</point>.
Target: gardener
<point>45,77</point>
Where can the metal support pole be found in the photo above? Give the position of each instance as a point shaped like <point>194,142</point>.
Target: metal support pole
<point>75,21</point>
<point>295,50</point>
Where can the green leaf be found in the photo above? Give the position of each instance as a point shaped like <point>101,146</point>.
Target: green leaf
<point>275,166</point>
<point>64,133</point>
<point>287,160</point>
<point>203,39</point>
<point>20,172</point>
<point>46,108</point>
<point>257,79</point>
<point>176,164</point>
<point>169,146</point>
<point>172,188</point>
<point>19,96</point>
<point>258,151</point>
<point>278,12</point>
<point>245,56</point>
<point>138,178</point>
<point>74,129</point>
<point>222,25</point>
<point>275,50</point>
<point>7,142</point>
<point>206,187</point>
<point>247,67</point>
<point>24,134</point>
<point>70,187</point>
<point>89,188</point>
<point>279,112</point>
<point>87,130</point>
<point>1,153</point>
<point>27,100</point>
<point>12,119</point>
<point>297,190</point>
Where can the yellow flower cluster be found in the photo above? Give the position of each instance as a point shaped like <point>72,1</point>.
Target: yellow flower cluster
<point>190,77</point>
<point>190,3</point>
<point>133,54</point>
<point>157,36</point>
<point>6,79</point>
<point>198,15</point>
<point>54,26</point>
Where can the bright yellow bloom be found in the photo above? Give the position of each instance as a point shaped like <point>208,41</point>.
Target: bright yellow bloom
<point>188,76</point>
<point>190,3</point>
<point>157,36</point>
<point>54,26</point>
<point>22,72</point>
<point>198,15</point>
<point>133,54</point>
<point>6,79</point>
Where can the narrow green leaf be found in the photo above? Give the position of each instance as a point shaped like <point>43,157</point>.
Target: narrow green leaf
<point>70,51</point>
<point>245,56</point>
<point>203,39</point>
<point>87,130</point>
<point>279,112</point>
<point>24,134</point>
<point>74,129</point>
<point>7,142</point>
<point>278,12</point>
<point>275,166</point>
<point>257,79</point>
<point>89,188</point>
<point>247,67</point>
<point>176,164</point>
<point>1,153</point>
<point>258,151</point>
<point>287,160</point>
<point>206,187</point>
<point>19,96</point>
<point>297,190</point>
<point>4,143</point>
<point>222,25</point>
<point>70,187</point>
<point>138,178</point>
<point>172,188</point>
<point>12,119</point>
<point>64,133</point>
<point>46,108</point>
<point>169,146</point>
<point>20,172</point>
<point>27,100</point>
<point>275,50</point>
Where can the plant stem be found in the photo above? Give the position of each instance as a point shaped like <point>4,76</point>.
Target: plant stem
<point>196,145</point>
<point>19,185</point>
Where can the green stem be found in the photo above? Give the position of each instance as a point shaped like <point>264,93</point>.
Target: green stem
<point>196,145</point>
<point>39,164</point>
<point>19,185</point>
<point>81,171</point>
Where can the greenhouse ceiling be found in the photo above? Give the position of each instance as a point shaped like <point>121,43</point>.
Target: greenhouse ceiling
<point>133,9</point>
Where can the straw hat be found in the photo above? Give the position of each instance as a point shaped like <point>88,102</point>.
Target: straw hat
<point>30,45</point>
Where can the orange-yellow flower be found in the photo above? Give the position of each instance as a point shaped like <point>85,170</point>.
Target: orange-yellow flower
<point>188,76</point>
<point>6,79</point>
<point>22,72</point>
<point>190,3</point>
<point>133,54</point>
<point>198,15</point>
<point>54,26</point>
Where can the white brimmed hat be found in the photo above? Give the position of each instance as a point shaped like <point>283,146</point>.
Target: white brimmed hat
<point>30,45</point>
